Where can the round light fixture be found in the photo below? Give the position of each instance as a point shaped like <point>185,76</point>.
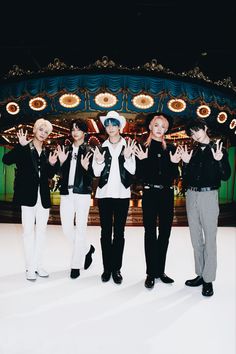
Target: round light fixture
<point>143,101</point>
<point>37,103</point>
<point>69,100</point>
<point>12,108</point>
<point>176,105</point>
<point>232,124</point>
<point>105,100</point>
<point>203,111</point>
<point>222,117</point>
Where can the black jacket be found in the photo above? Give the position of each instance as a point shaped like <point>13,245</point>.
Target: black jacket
<point>83,179</point>
<point>32,173</point>
<point>126,177</point>
<point>203,170</point>
<point>157,168</point>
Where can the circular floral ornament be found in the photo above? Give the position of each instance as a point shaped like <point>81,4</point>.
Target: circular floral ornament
<point>233,123</point>
<point>176,105</point>
<point>12,108</point>
<point>106,100</point>
<point>143,101</point>
<point>37,103</point>
<point>203,111</point>
<point>69,100</point>
<point>222,117</point>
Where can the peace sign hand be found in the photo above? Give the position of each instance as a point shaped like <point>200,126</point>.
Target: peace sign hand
<point>176,157</point>
<point>138,151</point>
<point>62,155</point>
<point>85,160</point>
<point>186,156</point>
<point>23,137</point>
<point>129,148</point>
<point>52,157</point>
<point>99,158</point>
<point>218,154</point>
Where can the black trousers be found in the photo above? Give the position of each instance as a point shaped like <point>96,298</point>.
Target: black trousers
<point>157,203</point>
<point>112,211</point>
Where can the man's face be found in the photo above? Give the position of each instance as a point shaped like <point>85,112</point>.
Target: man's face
<point>77,134</point>
<point>200,135</point>
<point>112,130</point>
<point>158,128</point>
<point>41,133</point>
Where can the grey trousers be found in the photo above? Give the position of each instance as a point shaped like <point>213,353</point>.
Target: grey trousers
<point>202,212</point>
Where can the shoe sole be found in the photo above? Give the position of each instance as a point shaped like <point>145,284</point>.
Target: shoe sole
<point>42,276</point>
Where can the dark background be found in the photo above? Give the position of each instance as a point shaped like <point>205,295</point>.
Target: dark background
<point>179,34</point>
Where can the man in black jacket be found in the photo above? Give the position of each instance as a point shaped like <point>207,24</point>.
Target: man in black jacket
<point>75,190</point>
<point>34,166</point>
<point>203,169</point>
<point>157,169</point>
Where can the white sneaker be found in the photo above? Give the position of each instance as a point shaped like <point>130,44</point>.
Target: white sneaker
<point>42,273</point>
<point>30,275</point>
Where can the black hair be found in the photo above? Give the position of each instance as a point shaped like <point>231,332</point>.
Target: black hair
<point>195,125</point>
<point>80,124</point>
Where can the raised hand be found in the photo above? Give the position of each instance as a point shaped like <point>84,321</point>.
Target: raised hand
<point>22,137</point>
<point>85,160</point>
<point>185,155</point>
<point>138,151</point>
<point>176,157</point>
<point>52,157</point>
<point>129,148</point>
<point>62,155</point>
<point>99,158</point>
<point>218,154</point>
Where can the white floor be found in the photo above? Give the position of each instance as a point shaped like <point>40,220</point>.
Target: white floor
<point>59,315</point>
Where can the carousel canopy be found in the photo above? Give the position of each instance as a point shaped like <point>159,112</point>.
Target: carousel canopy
<point>60,92</point>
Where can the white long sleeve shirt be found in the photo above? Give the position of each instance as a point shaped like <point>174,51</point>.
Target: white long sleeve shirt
<point>114,187</point>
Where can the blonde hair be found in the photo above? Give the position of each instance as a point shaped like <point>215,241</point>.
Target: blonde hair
<point>41,121</point>
<point>151,124</point>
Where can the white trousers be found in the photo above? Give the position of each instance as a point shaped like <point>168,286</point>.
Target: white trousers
<point>34,222</point>
<point>76,207</point>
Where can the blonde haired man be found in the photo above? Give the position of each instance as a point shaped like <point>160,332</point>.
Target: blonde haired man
<point>34,165</point>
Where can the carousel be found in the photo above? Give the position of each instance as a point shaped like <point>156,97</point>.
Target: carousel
<point>61,92</point>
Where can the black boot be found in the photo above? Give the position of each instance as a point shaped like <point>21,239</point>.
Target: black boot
<point>88,258</point>
<point>207,289</point>
<point>149,282</point>
<point>74,273</point>
<point>165,279</point>
<point>117,277</point>
<point>106,275</point>
<point>194,282</point>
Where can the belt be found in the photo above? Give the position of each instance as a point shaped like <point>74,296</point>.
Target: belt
<point>156,186</point>
<point>202,189</point>
<point>70,187</point>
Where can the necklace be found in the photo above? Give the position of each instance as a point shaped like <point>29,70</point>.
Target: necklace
<point>116,142</point>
